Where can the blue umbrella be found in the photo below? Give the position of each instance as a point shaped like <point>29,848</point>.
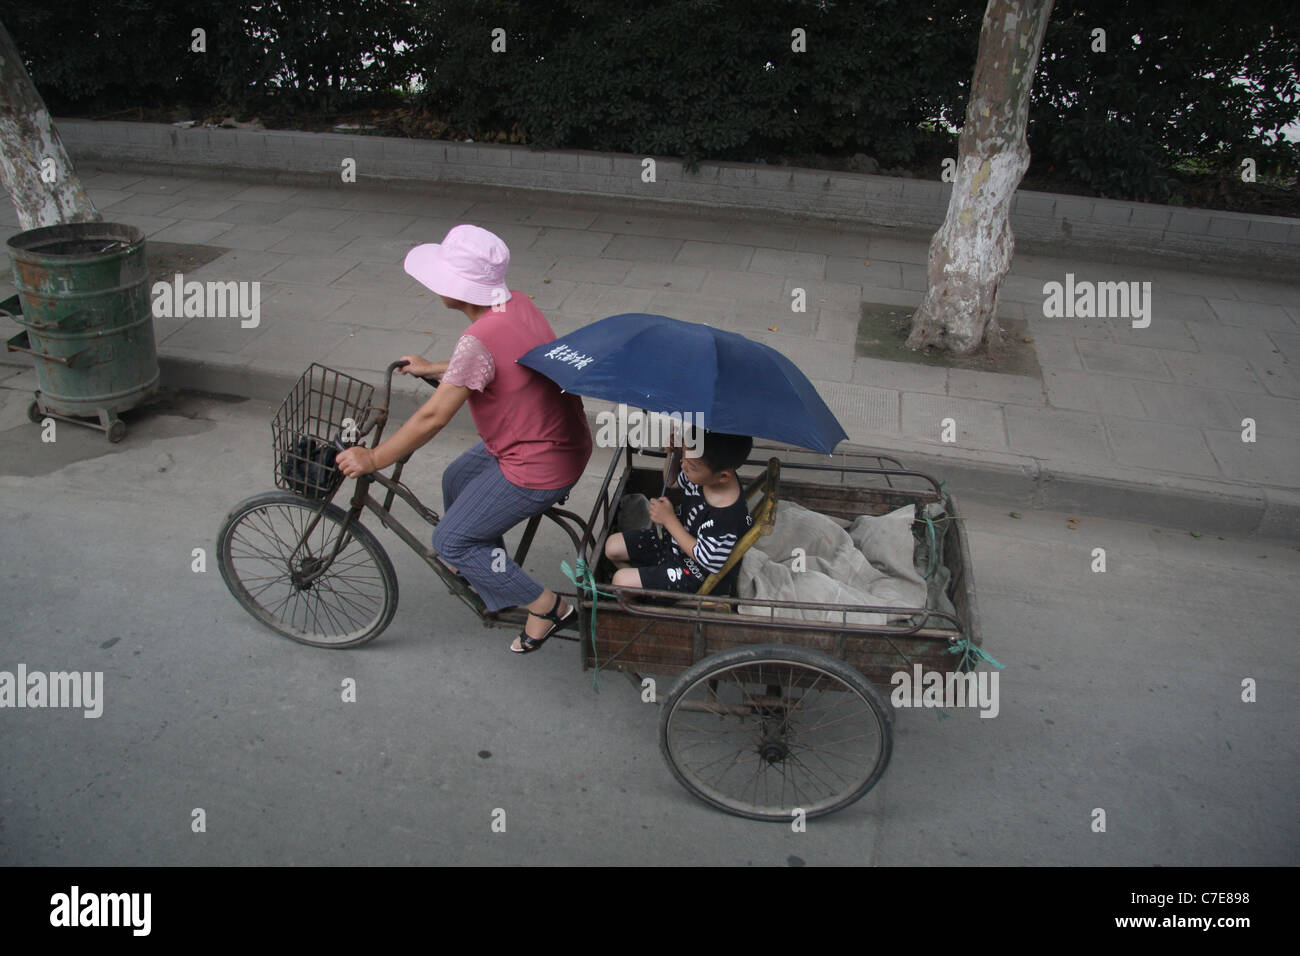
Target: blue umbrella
<point>660,364</point>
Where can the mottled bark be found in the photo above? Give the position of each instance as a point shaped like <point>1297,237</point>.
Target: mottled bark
<point>34,167</point>
<point>971,252</point>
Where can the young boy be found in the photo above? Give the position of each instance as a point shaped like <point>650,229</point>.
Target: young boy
<point>716,516</point>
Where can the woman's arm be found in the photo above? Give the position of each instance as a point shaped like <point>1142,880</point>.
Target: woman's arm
<point>432,417</point>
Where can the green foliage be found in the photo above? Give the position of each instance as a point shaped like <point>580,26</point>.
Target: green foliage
<point>1121,121</point>
<point>1206,84</point>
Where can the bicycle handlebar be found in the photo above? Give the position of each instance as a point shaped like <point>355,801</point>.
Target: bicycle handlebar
<point>378,413</point>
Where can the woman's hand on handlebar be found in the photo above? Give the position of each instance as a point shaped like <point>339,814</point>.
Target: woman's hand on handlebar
<point>422,368</point>
<point>354,462</point>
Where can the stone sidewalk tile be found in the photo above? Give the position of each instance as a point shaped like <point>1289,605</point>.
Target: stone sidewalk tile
<point>917,278</point>
<point>1263,290</point>
<point>374,349</point>
<point>208,335</point>
<point>555,241</point>
<point>256,213</point>
<point>377,224</point>
<point>1056,352</point>
<point>590,269</point>
<point>1167,334</point>
<point>1056,435</point>
<point>978,424</point>
<point>629,224</point>
<point>105,198</point>
<point>1288,345</point>
<point>656,275</point>
<point>605,300</point>
<point>1234,340</point>
<point>862,410</point>
<point>1192,310</point>
<point>358,276</point>
<point>104,179</point>
<point>300,243</point>
<point>834,242</point>
<point>1276,419</point>
<point>197,208</point>
<point>376,310</point>
<point>304,303</point>
<point>864,272</point>
<point>1212,371</point>
<point>1278,380</point>
<point>314,270</point>
<point>293,341</point>
<point>1254,315</point>
<point>1091,392</point>
<point>560,217</point>
<point>812,357</point>
<point>311,219</point>
<point>905,376</point>
<point>251,237</point>
<point>192,231</point>
<point>429,229</point>
<point>706,230</point>
<point>1265,462</point>
<point>902,298</point>
<point>693,307</point>
<point>212,189</point>
<point>1111,359</point>
<point>1165,280</point>
<point>838,328</point>
<point>643,249</point>
<point>405,201</point>
<point>161,184</point>
<point>995,387</point>
<point>149,225</point>
<point>265,194</point>
<point>240,264</point>
<point>1161,447</point>
<point>747,287</point>
<point>823,294</point>
<point>1201,407</point>
<point>547,295</point>
<point>1093,330</point>
<point>714,255</point>
<point>898,250</point>
<point>763,235</point>
<point>782,262</point>
<point>755,319</point>
<point>377,249</point>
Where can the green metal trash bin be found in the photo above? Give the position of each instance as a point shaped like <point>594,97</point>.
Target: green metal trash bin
<point>83,301</point>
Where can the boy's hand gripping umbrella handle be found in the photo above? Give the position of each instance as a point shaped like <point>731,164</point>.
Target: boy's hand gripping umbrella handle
<point>670,476</point>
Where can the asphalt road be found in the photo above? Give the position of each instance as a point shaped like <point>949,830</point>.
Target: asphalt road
<point>1122,691</point>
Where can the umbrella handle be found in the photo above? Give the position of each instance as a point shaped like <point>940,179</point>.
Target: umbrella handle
<point>674,466</point>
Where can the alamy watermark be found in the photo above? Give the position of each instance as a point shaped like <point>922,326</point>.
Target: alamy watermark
<point>642,429</point>
<point>55,689</point>
<point>208,300</point>
<point>1098,300</point>
<point>952,689</point>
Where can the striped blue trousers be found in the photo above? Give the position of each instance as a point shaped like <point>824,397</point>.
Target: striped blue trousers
<point>479,506</point>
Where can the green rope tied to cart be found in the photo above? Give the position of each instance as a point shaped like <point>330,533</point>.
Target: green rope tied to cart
<point>971,655</point>
<point>584,580</point>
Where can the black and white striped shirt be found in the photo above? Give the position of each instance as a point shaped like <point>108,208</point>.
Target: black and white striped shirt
<point>716,530</point>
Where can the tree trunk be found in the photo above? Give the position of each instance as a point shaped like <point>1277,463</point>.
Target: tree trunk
<point>971,252</point>
<point>33,164</point>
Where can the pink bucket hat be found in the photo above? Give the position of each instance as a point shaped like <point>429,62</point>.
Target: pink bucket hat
<point>469,265</point>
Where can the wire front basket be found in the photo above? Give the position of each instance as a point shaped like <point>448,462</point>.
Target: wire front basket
<point>319,418</point>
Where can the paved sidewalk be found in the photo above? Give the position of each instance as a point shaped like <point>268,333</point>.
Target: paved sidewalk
<point>1140,423</point>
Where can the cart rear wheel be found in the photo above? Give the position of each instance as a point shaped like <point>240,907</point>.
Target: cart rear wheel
<point>349,604</point>
<point>764,730</point>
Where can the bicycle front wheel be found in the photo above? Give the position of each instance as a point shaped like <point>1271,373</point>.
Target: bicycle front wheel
<point>282,585</point>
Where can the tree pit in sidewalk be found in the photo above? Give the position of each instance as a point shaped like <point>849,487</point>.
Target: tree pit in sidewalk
<point>883,331</point>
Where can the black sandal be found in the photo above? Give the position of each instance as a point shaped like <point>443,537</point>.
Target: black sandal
<point>529,644</point>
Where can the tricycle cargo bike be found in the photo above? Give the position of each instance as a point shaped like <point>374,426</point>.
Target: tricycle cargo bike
<point>776,707</point>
